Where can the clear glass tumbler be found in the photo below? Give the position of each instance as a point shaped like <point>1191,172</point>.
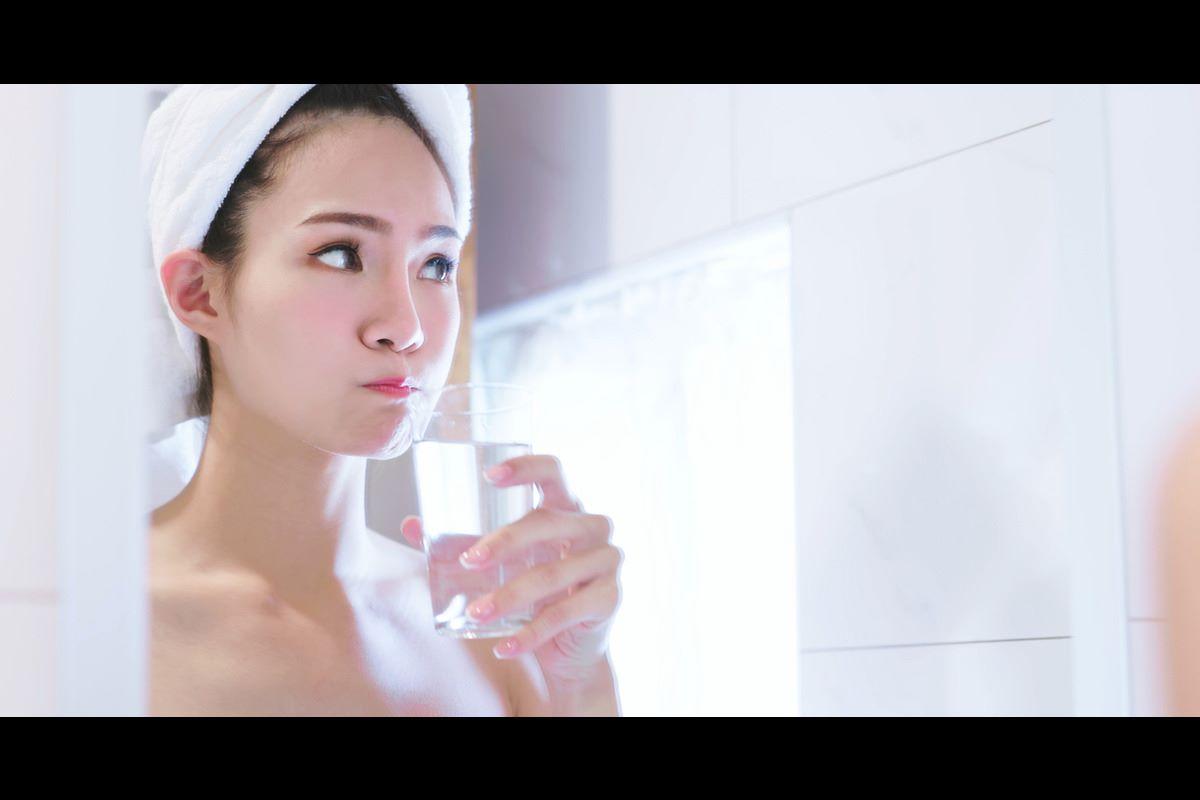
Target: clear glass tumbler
<point>468,428</point>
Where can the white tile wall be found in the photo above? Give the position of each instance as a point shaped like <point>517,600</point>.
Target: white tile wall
<point>71,547</point>
<point>671,174</point>
<point>29,324</point>
<point>990,678</point>
<point>794,142</point>
<point>27,667</point>
<point>28,338</point>
<point>930,460</point>
<point>927,454</point>
<point>1147,665</point>
<point>1155,188</point>
<point>1088,387</point>
<point>99,485</point>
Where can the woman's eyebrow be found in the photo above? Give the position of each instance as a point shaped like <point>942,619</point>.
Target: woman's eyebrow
<point>377,225</point>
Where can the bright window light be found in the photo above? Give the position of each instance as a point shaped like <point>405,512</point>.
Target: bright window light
<point>666,391</point>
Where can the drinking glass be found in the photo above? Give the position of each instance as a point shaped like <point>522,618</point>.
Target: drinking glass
<point>467,428</point>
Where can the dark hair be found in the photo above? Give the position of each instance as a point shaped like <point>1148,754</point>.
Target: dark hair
<point>224,243</point>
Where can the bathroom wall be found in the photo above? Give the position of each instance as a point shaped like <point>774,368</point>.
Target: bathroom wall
<point>963,394</point>
<point>932,454</point>
<point>72,566</point>
<point>933,569</point>
<point>28,425</point>
<point>1154,173</point>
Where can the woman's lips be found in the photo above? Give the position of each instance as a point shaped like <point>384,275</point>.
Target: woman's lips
<point>391,388</point>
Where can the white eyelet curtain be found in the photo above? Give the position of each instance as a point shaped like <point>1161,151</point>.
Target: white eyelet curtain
<point>668,401</point>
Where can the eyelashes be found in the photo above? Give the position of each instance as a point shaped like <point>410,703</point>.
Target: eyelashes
<point>446,265</point>
<point>351,248</point>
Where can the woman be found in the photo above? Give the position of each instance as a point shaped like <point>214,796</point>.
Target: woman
<point>330,264</point>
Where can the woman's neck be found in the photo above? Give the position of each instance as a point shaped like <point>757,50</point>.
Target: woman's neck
<point>267,503</point>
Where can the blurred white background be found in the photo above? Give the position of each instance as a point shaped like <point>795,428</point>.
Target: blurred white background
<point>875,382</point>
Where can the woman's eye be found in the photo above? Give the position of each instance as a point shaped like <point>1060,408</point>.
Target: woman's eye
<point>446,266</point>
<point>346,258</point>
<point>349,256</point>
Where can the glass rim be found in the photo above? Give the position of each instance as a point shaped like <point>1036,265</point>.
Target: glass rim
<point>481,384</point>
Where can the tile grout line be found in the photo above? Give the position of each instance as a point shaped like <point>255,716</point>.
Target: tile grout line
<point>915,165</point>
<point>850,648</point>
<point>1114,341</point>
<point>40,596</point>
<point>785,211</point>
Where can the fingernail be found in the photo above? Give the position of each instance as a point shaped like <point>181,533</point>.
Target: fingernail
<point>481,609</point>
<point>497,472</point>
<point>475,555</point>
<point>506,649</point>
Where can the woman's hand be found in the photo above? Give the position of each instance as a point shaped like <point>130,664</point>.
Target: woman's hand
<point>569,638</point>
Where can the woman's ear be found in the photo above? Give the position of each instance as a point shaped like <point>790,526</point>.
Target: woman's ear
<point>186,276</point>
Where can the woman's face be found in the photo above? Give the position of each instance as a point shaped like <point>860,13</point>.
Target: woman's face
<point>313,322</point>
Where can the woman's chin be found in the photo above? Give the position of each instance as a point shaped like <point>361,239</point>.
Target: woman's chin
<point>391,442</point>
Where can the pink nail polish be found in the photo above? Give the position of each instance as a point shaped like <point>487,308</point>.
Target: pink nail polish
<point>476,555</point>
<point>497,472</point>
<point>481,610</point>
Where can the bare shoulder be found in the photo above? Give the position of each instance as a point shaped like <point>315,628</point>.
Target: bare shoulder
<point>197,622</point>
<point>186,600</point>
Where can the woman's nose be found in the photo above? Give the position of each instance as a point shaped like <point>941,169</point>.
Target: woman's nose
<point>408,344</point>
<point>403,336</point>
<point>398,325</point>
